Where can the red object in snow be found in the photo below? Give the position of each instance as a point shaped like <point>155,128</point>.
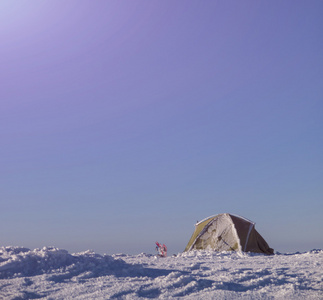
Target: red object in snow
<point>161,249</point>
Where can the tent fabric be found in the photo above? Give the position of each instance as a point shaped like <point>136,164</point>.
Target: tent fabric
<point>227,232</point>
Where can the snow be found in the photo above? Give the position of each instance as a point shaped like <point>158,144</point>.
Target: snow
<point>52,273</point>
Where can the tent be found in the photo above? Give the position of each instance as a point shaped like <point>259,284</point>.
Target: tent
<point>227,232</point>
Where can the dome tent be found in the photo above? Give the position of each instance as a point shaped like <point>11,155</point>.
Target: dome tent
<point>227,232</point>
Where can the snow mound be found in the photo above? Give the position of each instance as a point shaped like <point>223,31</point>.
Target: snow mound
<point>21,262</point>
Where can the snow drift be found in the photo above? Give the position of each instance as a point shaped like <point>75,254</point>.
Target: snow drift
<point>52,273</point>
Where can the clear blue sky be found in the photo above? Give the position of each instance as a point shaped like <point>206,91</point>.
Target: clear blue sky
<point>125,122</point>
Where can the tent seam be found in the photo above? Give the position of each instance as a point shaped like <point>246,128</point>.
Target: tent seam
<point>247,239</point>
<point>236,232</point>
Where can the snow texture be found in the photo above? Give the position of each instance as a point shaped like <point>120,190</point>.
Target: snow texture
<point>52,273</point>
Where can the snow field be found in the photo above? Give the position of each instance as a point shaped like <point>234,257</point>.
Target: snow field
<point>52,273</point>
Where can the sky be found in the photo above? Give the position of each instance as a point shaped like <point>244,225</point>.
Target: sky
<point>125,122</point>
